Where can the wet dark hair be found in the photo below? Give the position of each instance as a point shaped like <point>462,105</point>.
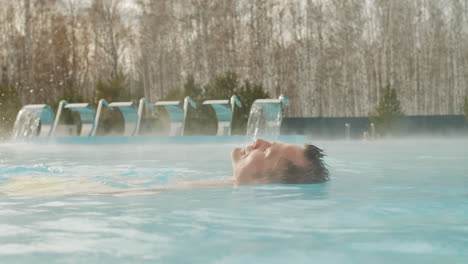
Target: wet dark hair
<point>315,170</point>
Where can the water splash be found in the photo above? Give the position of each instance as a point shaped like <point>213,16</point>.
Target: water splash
<point>26,124</point>
<point>33,120</point>
<point>265,120</point>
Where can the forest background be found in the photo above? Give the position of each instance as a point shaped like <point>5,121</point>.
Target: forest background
<point>329,57</point>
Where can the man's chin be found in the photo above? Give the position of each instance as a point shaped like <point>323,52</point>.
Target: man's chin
<point>236,154</point>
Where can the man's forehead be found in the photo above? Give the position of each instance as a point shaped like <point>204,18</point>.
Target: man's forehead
<point>295,154</point>
<point>291,154</point>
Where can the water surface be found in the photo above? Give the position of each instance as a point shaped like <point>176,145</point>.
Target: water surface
<point>398,201</point>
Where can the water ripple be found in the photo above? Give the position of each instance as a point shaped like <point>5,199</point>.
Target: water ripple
<point>34,169</point>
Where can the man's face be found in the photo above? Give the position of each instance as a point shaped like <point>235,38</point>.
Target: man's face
<point>251,164</point>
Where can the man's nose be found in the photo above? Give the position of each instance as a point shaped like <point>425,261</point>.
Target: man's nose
<point>261,144</point>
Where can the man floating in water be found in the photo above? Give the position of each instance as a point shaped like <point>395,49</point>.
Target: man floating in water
<point>265,162</point>
<point>262,162</point>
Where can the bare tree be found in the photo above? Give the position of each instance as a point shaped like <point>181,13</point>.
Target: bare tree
<point>331,58</point>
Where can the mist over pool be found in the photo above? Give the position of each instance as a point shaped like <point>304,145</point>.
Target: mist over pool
<point>388,201</point>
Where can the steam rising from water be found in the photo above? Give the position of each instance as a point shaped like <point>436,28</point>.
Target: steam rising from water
<point>391,200</point>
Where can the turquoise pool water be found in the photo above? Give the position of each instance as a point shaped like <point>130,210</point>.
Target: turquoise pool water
<point>398,201</point>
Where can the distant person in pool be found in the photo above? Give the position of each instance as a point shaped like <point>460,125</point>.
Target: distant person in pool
<point>266,162</point>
